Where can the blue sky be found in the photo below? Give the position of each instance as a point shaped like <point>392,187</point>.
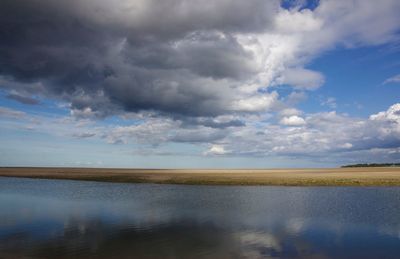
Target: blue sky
<point>298,84</point>
<point>355,77</point>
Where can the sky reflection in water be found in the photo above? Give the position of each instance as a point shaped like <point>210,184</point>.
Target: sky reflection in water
<point>57,219</point>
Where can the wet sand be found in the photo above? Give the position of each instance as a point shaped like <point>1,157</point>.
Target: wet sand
<point>377,176</point>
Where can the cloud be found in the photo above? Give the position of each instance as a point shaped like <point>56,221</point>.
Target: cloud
<point>326,136</point>
<point>392,80</point>
<point>22,99</point>
<point>255,103</point>
<point>301,78</point>
<point>290,112</point>
<point>216,150</point>
<point>221,124</point>
<point>321,134</point>
<point>200,134</point>
<point>179,57</point>
<point>297,21</point>
<point>293,120</point>
<point>391,115</point>
<point>84,135</point>
<point>191,71</point>
<point>10,113</point>
<point>330,102</point>
<point>158,131</point>
<point>355,23</point>
<point>296,97</point>
<point>153,131</point>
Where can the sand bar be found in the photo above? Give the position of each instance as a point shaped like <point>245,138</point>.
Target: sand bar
<point>377,176</point>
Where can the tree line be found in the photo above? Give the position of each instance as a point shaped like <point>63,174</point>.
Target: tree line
<point>373,165</point>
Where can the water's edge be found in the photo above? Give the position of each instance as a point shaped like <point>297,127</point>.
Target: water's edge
<point>221,182</point>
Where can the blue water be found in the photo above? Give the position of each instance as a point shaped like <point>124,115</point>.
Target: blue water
<point>64,219</point>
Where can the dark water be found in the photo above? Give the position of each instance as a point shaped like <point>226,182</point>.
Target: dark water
<point>63,219</point>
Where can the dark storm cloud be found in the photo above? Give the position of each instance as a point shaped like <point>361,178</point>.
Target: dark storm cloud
<point>172,56</point>
<point>208,54</point>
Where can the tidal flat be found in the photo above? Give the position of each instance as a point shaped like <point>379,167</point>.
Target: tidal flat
<point>368,176</point>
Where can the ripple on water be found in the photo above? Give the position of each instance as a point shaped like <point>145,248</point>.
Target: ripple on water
<point>56,219</point>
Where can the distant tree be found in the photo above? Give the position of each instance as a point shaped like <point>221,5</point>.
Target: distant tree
<point>373,165</point>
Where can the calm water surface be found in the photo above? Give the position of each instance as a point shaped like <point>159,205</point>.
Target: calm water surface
<point>63,219</point>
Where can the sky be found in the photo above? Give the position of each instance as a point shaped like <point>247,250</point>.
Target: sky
<point>199,83</point>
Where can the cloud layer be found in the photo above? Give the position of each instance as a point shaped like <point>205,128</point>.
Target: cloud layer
<point>192,58</point>
<point>191,71</point>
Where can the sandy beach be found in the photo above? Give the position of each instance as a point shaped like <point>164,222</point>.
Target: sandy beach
<point>378,176</point>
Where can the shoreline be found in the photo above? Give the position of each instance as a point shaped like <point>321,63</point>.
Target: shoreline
<point>376,176</point>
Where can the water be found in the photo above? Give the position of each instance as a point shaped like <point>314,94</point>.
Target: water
<point>63,219</point>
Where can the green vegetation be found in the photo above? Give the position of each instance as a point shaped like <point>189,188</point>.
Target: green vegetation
<point>373,165</point>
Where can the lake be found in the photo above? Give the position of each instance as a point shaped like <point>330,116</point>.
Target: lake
<point>63,219</point>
